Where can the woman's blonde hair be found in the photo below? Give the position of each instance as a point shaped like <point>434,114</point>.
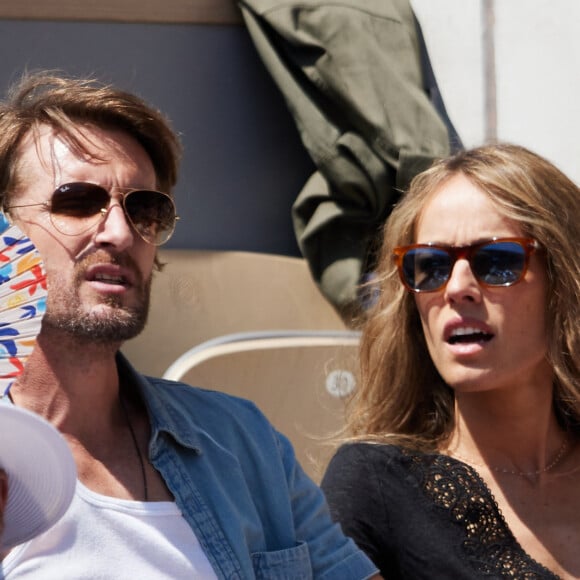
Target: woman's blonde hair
<point>401,397</point>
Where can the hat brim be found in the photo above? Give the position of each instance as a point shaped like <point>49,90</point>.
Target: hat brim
<point>41,474</point>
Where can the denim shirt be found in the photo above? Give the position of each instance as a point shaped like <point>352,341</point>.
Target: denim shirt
<point>238,485</point>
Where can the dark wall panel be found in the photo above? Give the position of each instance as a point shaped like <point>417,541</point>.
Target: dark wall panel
<point>243,161</point>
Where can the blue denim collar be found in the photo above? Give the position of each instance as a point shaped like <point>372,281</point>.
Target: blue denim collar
<point>164,416</point>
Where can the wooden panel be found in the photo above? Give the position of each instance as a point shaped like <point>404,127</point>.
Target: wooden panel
<point>201,295</point>
<point>161,11</point>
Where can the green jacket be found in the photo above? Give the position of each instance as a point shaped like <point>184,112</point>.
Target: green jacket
<point>351,74</point>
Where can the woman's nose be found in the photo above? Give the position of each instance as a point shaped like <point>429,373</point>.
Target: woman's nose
<point>462,283</point>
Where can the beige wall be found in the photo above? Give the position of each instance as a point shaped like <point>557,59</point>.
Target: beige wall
<point>537,60</point>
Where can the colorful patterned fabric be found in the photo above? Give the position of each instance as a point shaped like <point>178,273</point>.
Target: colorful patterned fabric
<point>22,300</point>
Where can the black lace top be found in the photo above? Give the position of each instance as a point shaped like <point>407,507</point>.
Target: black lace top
<point>423,516</point>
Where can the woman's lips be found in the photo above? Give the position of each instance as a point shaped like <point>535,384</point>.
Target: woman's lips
<point>468,334</point>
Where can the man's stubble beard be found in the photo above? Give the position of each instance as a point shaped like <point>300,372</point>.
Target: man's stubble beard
<point>117,323</point>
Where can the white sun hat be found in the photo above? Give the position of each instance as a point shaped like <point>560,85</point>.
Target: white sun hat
<point>41,474</point>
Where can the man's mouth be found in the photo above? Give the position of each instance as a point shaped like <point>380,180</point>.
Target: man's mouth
<point>468,335</point>
<point>110,279</point>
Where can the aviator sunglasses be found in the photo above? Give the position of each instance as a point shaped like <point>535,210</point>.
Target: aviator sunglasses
<point>77,207</point>
<point>496,262</point>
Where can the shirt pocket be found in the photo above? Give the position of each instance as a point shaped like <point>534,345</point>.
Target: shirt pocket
<point>289,564</point>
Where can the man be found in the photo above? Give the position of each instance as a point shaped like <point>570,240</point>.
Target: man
<point>37,476</point>
<point>174,482</point>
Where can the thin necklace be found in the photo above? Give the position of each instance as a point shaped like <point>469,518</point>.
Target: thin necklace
<point>137,449</point>
<point>548,467</point>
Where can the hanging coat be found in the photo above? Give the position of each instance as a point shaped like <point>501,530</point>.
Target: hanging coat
<point>356,77</point>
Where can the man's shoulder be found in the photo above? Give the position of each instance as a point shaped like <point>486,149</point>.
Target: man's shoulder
<point>190,395</point>
<point>206,407</point>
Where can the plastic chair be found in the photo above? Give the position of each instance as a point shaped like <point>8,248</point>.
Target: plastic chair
<point>297,378</point>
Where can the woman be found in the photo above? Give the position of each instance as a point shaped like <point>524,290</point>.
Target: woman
<point>462,459</point>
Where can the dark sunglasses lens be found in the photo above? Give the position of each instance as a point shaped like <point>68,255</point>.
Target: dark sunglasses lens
<point>426,269</point>
<point>499,263</point>
<point>152,214</point>
<point>79,200</point>
<point>76,207</point>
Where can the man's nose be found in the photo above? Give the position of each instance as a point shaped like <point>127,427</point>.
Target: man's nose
<point>115,228</point>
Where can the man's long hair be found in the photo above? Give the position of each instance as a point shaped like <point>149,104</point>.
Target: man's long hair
<point>66,105</point>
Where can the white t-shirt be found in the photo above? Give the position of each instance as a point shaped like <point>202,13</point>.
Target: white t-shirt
<point>101,537</point>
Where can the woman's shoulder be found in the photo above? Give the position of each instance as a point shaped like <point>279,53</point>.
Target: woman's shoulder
<point>374,482</point>
<point>374,452</point>
<point>366,461</point>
